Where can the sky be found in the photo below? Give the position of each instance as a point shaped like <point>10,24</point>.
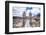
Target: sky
<point>17,11</point>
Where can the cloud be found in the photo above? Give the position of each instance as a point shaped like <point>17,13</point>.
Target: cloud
<point>35,11</point>
<point>18,11</point>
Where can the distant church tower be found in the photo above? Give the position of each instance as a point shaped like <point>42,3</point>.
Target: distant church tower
<point>30,16</point>
<point>24,16</point>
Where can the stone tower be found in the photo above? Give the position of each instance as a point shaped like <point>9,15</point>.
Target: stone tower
<point>24,16</point>
<point>30,17</point>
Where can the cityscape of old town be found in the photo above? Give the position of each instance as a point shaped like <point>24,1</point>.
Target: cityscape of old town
<point>26,17</point>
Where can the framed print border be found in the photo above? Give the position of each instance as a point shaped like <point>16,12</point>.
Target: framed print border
<point>7,17</point>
